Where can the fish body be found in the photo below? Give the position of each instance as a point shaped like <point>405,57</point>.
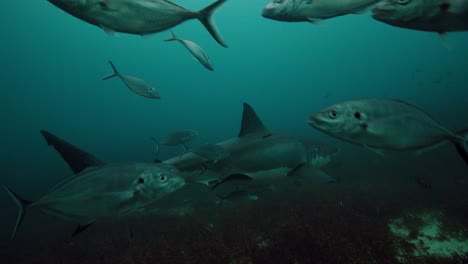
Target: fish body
<point>426,15</point>
<point>136,85</point>
<point>384,124</point>
<point>313,10</point>
<point>112,189</point>
<point>198,53</point>
<point>140,17</point>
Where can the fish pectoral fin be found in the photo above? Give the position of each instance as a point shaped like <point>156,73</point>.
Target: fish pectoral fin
<point>296,169</point>
<point>146,36</point>
<point>315,21</point>
<point>109,31</point>
<point>461,147</point>
<point>444,38</point>
<point>208,182</point>
<point>232,177</point>
<point>82,227</point>
<point>377,151</point>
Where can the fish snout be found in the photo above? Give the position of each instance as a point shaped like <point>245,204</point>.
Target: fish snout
<point>268,10</point>
<point>316,120</point>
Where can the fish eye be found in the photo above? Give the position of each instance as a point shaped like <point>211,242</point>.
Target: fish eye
<point>357,115</point>
<point>162,178</point>
<point>402,2</point>
<point>141,180</point>
<point>333,114</point>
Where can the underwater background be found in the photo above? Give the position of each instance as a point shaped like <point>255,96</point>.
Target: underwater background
<point>51,70</point>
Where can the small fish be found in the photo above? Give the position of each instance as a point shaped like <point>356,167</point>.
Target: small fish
<point>383,124</point>
<point>439,16</point>
<point>313,10</point>
<point>178,138</point>
<point>114,189</point>
<point>196,51</point>
<point>136,85</point>
<point>142,17</point>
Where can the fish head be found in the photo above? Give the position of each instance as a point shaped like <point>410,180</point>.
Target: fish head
<point>283,10</point>
<point>399,11</point>
<point>150,92</point>
<point>344,121</point>
<point>157,181</point>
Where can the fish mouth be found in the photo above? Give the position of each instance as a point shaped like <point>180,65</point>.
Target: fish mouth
<point>314,120</point>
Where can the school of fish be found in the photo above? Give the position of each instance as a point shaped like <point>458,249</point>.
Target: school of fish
<point>256,156</point>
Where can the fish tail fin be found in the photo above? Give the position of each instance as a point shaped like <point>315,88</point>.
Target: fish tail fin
<point>115,72</point>
<point>206,18</point>
<point>22,206</point>
<point>173,37</point>
<point>186,150</point>
<point>205,168</point>
<point>460,145</point>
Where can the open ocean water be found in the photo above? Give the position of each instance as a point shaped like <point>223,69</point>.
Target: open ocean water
<point>399,208</point>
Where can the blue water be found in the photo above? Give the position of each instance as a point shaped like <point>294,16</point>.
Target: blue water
<point>52,65</point>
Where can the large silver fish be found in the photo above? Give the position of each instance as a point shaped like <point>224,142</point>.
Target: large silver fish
<point>108,190</point>
<point>198,53</point>
<point>140,17</point>
<point>427,15</point>
<point>313,10</point>
<point>383,124</point>
<point>136,85</point>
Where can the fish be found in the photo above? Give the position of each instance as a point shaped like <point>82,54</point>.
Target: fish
<point>438,16</point>
<point>136,85</point>
<point>255,155</point>
<point>384,124</point>
<point>198,53</point>
<point>177,138</point>
<point>107,190</point>
<point>142,17</point>
<point>313,10</point>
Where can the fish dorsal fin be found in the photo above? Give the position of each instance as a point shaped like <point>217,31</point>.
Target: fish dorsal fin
<point>78,159</point>
<point>250,123</point>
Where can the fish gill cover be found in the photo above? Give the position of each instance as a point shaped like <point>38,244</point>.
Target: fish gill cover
<point>398,199</point>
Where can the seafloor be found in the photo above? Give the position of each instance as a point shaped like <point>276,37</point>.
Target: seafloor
<point>298,224</point>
